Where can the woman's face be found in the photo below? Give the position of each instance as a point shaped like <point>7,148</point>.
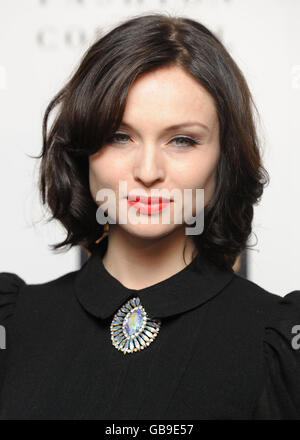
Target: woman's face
<point>147,154</point>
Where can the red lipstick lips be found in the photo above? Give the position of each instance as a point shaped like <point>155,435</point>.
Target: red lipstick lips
<point>148,205</point>
<point>148,200</point>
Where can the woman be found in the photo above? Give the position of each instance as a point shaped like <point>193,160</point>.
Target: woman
<point>156,324</point>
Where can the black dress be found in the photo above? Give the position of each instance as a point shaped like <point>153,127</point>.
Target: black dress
<point>224,349</point>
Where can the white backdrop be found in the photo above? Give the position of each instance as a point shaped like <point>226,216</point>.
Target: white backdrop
<point>41,43</point>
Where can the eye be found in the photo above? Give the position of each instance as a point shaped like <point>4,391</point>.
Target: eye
<point>116,137</point>
<point>188,142</point>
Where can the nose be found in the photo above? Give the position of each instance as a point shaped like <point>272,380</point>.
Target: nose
<point>149,164</point>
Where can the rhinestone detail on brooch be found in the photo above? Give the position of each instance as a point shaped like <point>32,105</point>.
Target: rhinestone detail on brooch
<point>131,329</point>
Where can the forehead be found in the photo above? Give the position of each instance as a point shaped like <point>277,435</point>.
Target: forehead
<point>169,93</point>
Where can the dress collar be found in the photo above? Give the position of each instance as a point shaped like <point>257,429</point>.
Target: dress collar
<point>102,295</point>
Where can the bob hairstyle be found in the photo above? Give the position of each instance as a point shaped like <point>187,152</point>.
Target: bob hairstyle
<point>91,106</point>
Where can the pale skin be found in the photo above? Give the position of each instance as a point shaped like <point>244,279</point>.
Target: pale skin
<point>147,156</point>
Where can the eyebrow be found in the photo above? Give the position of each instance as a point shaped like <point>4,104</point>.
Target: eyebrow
<point>173,127</point>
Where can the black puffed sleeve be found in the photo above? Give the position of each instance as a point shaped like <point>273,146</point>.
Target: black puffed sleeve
<point>280,394</point>
<point>10,285</point>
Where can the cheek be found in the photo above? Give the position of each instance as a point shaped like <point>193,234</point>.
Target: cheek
<point>197,173</point>
<point>104,171</point>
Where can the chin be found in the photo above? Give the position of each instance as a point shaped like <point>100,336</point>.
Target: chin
<point>149,232</point>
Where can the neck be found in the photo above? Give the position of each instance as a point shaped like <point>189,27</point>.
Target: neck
<point>138,262</point>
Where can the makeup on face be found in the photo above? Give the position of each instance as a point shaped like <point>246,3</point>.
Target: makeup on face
<point>148,205</point>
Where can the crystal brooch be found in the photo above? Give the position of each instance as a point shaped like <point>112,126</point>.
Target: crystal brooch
<point>131,329</point>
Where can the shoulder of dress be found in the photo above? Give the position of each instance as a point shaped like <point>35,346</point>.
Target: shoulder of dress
<point>35,300</point>
<point>280,395</point>
<point>10,282</point>
<point>10,285</point>
<point>252,293</point>
<point>286,309</point>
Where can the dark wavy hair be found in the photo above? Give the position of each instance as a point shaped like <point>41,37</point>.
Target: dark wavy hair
<point>90,108</point>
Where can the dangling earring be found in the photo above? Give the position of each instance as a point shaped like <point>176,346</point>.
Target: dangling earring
<point>105,233</point>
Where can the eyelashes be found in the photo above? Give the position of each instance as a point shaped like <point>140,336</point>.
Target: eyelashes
<point>190,142</point>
